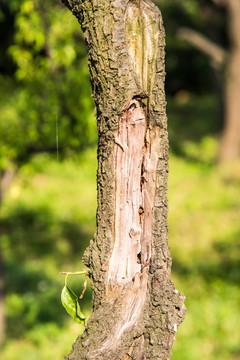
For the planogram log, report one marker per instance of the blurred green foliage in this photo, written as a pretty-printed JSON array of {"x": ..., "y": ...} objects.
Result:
[
  {"x": 204, "y": 239},
  {"x": 48, "y": 214},
  {"x": 44, "y": 80},
  {"x": 46, "y": 222}
]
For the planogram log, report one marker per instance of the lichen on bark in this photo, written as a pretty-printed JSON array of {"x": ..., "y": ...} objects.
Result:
[{"x": 136, "y": 308}]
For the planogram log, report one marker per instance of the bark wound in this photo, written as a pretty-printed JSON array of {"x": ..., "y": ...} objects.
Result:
[
  {"x": 135, "y": 169},
  {"x": 135, "y": 163},
  {"x": 128, "y": 159},
  {"x": 130, "y": 299}
]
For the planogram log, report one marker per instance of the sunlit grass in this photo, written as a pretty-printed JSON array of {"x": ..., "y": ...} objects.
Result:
[
  {"x": 44, "y": 342},
  {"x": 47, "y": 221},
  {"x": 204, "y": 227}
]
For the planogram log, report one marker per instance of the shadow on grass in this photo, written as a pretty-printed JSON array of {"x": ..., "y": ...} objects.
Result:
[
  {"x": 36, "y": 246},
  {"x": 221, "y": 263},
  {"x": 191, "y": 121},
  {"x": 35, "y": 232}
]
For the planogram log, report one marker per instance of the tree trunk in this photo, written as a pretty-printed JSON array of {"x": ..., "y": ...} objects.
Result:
[
  {"x": 230, "y": 143},
  {"x": 136, "y": 309}
]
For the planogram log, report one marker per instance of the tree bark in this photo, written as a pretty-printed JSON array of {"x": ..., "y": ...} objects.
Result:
[{"x": 136, "y": 309}]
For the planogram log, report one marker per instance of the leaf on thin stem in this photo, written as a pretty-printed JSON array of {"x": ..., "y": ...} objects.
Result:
[{"x": 70, "y": 302}]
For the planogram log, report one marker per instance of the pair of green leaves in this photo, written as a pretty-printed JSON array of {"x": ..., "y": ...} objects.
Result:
[{"x": 70, "y": 302}]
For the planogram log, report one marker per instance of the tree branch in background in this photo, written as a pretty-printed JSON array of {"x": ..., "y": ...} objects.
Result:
[
  {"x": 215, "y": 52},
  {"x": 220, "y": 2}
]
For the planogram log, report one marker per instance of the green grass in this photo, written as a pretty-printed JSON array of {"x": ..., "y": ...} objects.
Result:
[
  {"x": 44, "y": 342},
  {"x": 48, "y": 218},
  {"x": 204, "y": 212}
]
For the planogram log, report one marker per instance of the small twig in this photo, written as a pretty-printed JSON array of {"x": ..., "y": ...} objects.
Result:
[
  {"x": 84, "y": 272},
  {"x": 214, "y": 51},
  {"x": 84, "y": 289}
]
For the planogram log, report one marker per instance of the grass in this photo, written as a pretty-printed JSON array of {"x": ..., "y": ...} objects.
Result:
[
  {"x": 204, "y": 238},
  {"x": 47, "y": 221},
  {"x": 48, "y": 218}
]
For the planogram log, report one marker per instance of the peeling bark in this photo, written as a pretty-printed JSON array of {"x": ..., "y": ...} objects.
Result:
[{"x": 136, "y": 308}]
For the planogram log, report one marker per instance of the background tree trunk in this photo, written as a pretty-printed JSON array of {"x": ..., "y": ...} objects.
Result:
[
  {"x": 136, "y": 309},
  {"x": 230, "y": 143},
  {"x": 229, "y": 62}
]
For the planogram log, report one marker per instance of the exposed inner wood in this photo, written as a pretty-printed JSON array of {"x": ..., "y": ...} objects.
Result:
[
  {"x": 135, "y": 172},
  {"x": 130, "y": 300}
]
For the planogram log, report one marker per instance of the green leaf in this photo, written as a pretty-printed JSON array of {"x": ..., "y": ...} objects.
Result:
[{"x": 70, "y": 302}]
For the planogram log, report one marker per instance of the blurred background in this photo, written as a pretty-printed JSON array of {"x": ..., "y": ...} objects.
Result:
[{"x": 48, "y": 165}]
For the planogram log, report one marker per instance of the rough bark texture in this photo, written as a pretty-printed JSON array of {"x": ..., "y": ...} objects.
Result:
[{"x": 136, "y": 309}]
